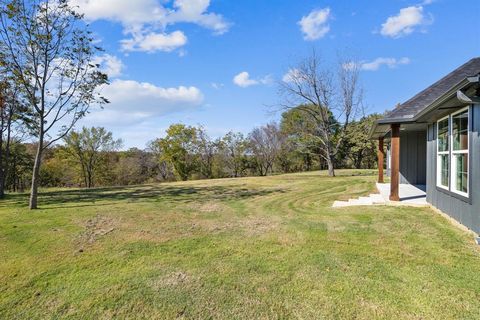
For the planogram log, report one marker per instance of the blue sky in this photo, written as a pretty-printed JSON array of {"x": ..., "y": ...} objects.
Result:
[{"x": 186, "y": 60}]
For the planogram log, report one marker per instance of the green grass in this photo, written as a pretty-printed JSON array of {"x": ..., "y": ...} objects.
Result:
[{"x": 269, "y": 248}]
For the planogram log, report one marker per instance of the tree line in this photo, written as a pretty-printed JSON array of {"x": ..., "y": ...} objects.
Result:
[{"x": 91, "y": 157}]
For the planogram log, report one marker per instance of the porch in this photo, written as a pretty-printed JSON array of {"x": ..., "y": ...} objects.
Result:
[
  {"x": 406, "y": 166},
  {"x": 409, "y": 194}
]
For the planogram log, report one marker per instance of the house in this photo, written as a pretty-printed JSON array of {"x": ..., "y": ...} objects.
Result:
[{"x": 433, "y": 139}]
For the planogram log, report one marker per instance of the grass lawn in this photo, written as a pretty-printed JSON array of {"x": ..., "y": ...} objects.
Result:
[{"x": 247, "y": 248}]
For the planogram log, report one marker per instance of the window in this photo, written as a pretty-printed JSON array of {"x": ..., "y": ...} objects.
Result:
[
  {"x": 452, "y": 152},
  {"x": 460, "y": 152},
  {"x": 443, "y": 153}
]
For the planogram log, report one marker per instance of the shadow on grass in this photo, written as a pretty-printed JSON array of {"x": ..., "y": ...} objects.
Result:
[{"x": 156, "y": 193}]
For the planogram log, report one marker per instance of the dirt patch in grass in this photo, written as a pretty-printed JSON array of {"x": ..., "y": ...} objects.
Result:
[
  {"x": 208, "y": 207},
  {"x": 173, "y": 279},
  {"x": 95, "y": 228},
  {"x": 255, "y": 226}
]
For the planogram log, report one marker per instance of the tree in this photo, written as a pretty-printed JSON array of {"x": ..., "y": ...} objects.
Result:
[
  {"x": 207, "y": 150},
  {"x": 87, "y": 147},
  {"x": 359, "y": 148},
  {"x": 164, "y": 167},
  {"x": 19, "y": 167},
  {"x": 332, "y": 99},
  {"x": 180, "y": 148},
  {"x": 57, "y": 170},
  {"x": 301, "y": 129},
  {"x": 49, "y": 52},
  {"x": 233, "y": 147},
  {"x": 265, "y": 145},
  {"x": 135, "y": 166},
  {"x": 7, "y": 118}
]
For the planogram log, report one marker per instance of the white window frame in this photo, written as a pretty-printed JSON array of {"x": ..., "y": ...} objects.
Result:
[
  {"x": 453, "y": 168},
  {"x": 451, "y": 154},
  {"x": 439, "y": 153}
]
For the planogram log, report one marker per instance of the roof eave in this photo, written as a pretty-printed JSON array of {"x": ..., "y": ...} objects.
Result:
[
  {"x": 432, "y": 106},
  {"x": 437, "y": 102},
  {"x": 447, "y": 95}
]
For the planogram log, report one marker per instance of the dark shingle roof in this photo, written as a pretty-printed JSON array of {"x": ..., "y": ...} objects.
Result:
[{"x": 423, "y": 99}]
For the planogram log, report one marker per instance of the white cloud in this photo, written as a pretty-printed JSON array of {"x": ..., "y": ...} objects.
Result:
[
  {"x": 217, "y": 86},
  {"x": 291, "y": 75},
  {"x": 110, "y": 65},
  {"x": 195, "y": 11},
  {"x": 315, "y": 25},
  {"x": 405, "y": 22},
  {"x": 389, "y": 62},
  {"x": 132, "y": 101},
  {"x": 376, "y": 64},
  {"x": 153, "y": 42},
  {"x": 243, "y": 80},
  {"x": 146, "y": 21}
]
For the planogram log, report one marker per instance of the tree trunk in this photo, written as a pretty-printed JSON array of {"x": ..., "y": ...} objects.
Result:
[
  {"x": 36, "y": 175},
  {"x": 331, "y": 169},
  {"x": 359, "y": 160},
  {"x": 89, "y": 178},
  {"x": 5, "y": 159},
  {"x": 2, "y": 183}
]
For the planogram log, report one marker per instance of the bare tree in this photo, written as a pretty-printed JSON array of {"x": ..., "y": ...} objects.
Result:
[
  {"x": 265, "y": 145},
  {"x": 233, "y": 147},
  {"x": 331, "y": 97},
  {"x": 50, "y": 53}
]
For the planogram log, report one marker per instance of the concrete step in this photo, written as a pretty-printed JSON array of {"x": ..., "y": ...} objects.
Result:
[
  {"x": 377, "y": 199},
  {"x": 362, "y": 201},
  {"x": 365, "y": 200},
  {"x": 338, "y": 204}
]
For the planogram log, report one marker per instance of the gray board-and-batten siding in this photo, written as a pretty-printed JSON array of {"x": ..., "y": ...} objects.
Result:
[
  {"x": 464, "y": 210},
  {"x": 413, "y": 157}
]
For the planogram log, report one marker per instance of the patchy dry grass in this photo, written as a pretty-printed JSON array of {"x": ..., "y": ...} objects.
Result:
[{"x": 233, "y": 249}]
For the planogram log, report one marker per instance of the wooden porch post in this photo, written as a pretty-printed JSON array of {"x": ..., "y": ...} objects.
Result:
[
  {"x": 395, "y": 163},
  {"x": 380, "y": 160}
]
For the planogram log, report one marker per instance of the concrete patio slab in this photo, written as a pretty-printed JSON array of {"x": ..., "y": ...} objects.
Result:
[{"x": 409, "y": 194}]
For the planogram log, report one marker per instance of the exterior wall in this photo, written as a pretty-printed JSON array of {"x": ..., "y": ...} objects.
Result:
[
  {"x": 465, "y": 211},
  {"x": 413, "y": 160},
  {"x": 413, "y": 157}
]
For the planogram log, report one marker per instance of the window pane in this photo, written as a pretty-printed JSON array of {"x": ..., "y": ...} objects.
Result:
[
  {"x": 460, "y": 131},
  {"x": 443, "y": 135},
  {"x": 460, "y": 182},
  {"x": 443, "y": 167}
]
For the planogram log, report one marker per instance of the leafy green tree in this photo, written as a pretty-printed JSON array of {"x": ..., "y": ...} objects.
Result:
[
  {"x": 11, "y": 122},
  {"x": 49, "y": 51},
  {"x": 359, "y": 148},
  {"x": 163, "y": 168},
  {"x": 180, "y": 148},
  {"x": 207, "y": 151},
  {"x": 57, "y": 170},
  {"x": 89, "y": 147},
  {"x": 303, "y": 131},
  {"x": 300, "y": 128},
  {"x": 19, "y": 167}
]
